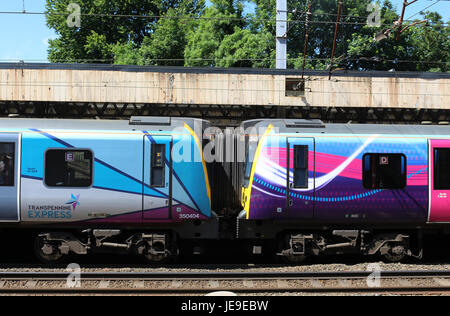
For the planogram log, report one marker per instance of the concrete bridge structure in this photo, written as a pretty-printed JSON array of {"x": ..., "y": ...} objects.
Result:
[{"x": 87, "y": 90}]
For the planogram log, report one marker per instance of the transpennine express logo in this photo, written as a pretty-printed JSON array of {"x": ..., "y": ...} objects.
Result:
[{"x": 74, "y": 201}]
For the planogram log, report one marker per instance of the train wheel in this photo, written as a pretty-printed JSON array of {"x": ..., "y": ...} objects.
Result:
[
  {"x": 158, "y": 254},
  {"x": 153, "y": 258},
  {"x": 47, "y": 251},
  {"x": 396, "y": 252},
  {"x": 285, "y": 254}
]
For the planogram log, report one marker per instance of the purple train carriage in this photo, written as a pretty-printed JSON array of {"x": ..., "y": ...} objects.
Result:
[{"x": 343, "y": 188}]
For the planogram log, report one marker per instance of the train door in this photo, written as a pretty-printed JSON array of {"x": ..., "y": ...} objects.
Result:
[
  {"x": 300, "y": 177},
  {"x": 439, "y": 181},
  {"x": 9, "y": 177},
  {"x": 157, "y": 192}
]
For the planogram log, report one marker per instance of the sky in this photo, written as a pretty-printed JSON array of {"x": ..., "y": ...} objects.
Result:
[{"x": 25, "y": 37}]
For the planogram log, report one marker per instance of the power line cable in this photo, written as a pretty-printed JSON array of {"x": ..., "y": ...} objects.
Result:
[
  {"x": 424, "y": 9},
  {"x": 200, "y": 18},
  {"x": 363, "y": 59}
]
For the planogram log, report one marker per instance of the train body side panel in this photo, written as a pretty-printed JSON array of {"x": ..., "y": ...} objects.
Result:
[
  {"x": 338, "y": 181},
  {"x": 340, "y": 194},
  {"x": 268, "y": 188},
  {"x": 116, "y": 192},
  {"x": 191, "y": 188},
  {"x": 118, "y": 189}
]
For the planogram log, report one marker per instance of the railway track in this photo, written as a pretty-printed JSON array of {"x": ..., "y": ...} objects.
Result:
[{"x": 201, "y": 283}]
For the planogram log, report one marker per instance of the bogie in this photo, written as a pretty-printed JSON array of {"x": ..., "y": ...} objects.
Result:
[
  {"x": 295, "y": 247},
  {"x": 154, "y": 247}
]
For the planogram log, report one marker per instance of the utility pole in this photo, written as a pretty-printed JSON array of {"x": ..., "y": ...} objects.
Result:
[
  {"x": 398, "y": 25},
  {"x": 335, "y": 37},
  {"x": 405, "y": 4},
  {"x": 281, "y": 34},
  {"x": 305, "y": 49}
]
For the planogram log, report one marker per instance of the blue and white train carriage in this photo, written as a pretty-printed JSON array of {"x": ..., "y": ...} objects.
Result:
[{"x": 84, "y": 185}]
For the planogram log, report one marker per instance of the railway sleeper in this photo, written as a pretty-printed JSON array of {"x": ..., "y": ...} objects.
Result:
[
  {"x": 53, "y": 247},
  {"x": 294, "y": 247}
]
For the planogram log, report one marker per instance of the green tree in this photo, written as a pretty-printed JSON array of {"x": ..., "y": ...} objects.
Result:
[
  {"x": 185, "y": 32},
  {"x": 426, "y": 48},
  {"x": 431, "y": 45},
  {"x": 245, "y": 49},
  {"x": 222, "y": 18},
  {"x": 105, "y": 26},
  {"x": 419, "y": 48}
]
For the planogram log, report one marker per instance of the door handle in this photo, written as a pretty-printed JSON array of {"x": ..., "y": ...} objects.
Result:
[{"x": 291, "y": 202}]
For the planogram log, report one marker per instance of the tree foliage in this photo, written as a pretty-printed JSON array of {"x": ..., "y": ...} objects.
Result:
[
  {"x": 108, "y": 24},
  {"x": 218, "y": 21},
  {"x": 238, "y": 33}
]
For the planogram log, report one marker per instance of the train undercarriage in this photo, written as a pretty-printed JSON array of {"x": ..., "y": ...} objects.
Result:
[
  {"x": 287, "y": 244},
  {"x": 294, "y": 247},
  {"x": 153, "y": 246},
  {"x": 293, "y": 242}
]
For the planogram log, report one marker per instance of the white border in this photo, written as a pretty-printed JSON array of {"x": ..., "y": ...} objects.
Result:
[
  {"x": 429, "y": 178},
  {"x": 17, "y": 138},
  {"x": 19, "y": 175}
]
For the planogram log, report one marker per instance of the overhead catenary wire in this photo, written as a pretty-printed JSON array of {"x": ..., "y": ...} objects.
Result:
[
  {"x": 363, "y": 59},
  {"x": 309, "y": 21},
  {"x": 423, "y": 10},
  {"x": 256, "y": 19},
  {"x": 115, "y": 15}
]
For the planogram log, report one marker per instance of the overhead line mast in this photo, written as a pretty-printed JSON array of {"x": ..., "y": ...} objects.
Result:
[
  {"x": 281, "y": 34},
  {"x": 405, "y": 4},
  {"x": 335, "y": 37},
  {"x": 308, "y": 17}
]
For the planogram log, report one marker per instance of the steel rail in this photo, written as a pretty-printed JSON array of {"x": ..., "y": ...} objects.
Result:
[
  {"x": 222, "y": 275},
  {"x": 107, "y": 285}
]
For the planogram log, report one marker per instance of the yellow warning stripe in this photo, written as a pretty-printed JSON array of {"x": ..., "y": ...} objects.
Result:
[
  {"x": 200, "y": 148},
  {"x": 247, "y": 192}
]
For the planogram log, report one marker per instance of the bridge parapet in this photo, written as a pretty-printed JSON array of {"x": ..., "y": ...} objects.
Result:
[{"x": 229, "y": 87}]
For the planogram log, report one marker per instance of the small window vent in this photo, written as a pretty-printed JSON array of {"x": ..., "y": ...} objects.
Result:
[
  {"x": 304, "y": 124},
  {"x": 295, "y": 87},
  {"x": 149, "y": 120}
]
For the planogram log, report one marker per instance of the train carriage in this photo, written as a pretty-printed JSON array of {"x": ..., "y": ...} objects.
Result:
[
  {"x": 137, "y": 186},
  {"x": 336, "y": 188}
]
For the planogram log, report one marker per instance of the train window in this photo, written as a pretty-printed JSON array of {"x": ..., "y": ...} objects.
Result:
[
  {"x": 68, "y": 168},
  {"x": 300, "y": 166},
  {"x": 7, "y": 153},
  {"x": 442, "y": 168},
  {"x": 250, "y": 149},
  {"x": 384, "y": 171},
  {"x": 157, "y": 170}
]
